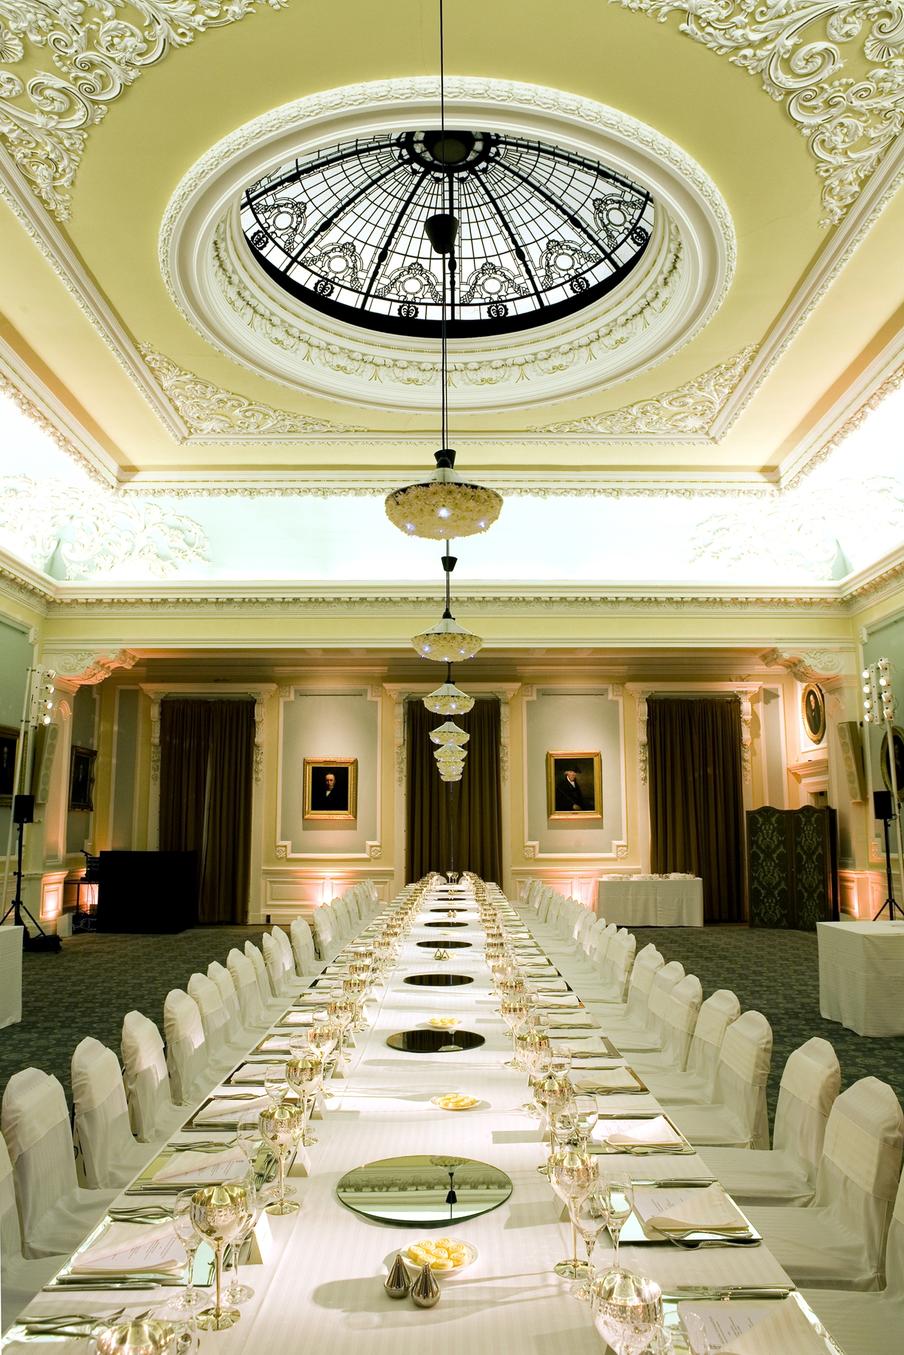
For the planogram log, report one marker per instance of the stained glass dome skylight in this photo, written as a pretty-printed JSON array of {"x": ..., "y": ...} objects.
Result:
[{"x": 543, "y": 231}]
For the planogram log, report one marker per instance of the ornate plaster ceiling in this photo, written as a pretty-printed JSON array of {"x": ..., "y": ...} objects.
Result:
[{"x": 749, "y": 393}]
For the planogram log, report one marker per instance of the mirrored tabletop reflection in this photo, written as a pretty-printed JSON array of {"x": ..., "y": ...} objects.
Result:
[
  {"x": 424, "y": 1190},
  {"x": 444, "y": 945},
  {"x": 438, "y": 980},
  {"x": 434, "y": 1041}
]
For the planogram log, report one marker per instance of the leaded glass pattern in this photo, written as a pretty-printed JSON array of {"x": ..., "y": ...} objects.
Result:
[{"x": 543, "y": 231}]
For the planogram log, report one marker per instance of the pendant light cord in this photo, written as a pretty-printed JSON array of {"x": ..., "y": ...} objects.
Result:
[{"x": 444, "y": 375}]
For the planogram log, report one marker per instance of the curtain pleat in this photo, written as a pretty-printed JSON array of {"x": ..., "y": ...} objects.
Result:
[
  {"x": 696, "y": 798},
  {"x": 206, "y": 753},
  {"x": 470, "y": 808}
]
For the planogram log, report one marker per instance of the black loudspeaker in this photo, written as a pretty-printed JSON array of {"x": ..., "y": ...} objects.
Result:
[
  {"x": 882, "y": 804},
  {"x": 24, "y": 809}
]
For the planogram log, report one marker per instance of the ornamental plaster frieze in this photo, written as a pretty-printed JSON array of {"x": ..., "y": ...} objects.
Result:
[
  {"x": 687, "y": 412},
  {"x": 824, "y": 450},
  {"x": 801, "y": 50},
  {"x": 64, "y": 62},
  {"x": 86, "y": 667},
  {"x": 811, "y": 665}
]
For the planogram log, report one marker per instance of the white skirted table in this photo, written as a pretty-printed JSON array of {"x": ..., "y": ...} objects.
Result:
[
  {"x": 10, "y": 975},
  {"x": 651, "y": 903},
  {"x": 861, "y": 975}
]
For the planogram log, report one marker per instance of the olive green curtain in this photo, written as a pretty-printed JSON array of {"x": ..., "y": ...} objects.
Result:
[
  {"x": 696, "y": 799},
  {"x": 467, "y": 811},
  {"x": 206, "y": 753}
]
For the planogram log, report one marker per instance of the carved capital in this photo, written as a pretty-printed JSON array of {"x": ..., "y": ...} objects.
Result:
[{"x": 87, "y": 667}]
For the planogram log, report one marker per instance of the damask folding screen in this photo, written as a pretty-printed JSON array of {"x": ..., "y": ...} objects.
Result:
[
  {"x": 696, "y": 797},
  {"x": 474, "y": 803}
]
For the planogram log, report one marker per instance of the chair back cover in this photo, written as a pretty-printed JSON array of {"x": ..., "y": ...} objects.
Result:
[
  {"x": 285, "y": 946},
  {"x": 35, "y": 1125},
  {"x": 620, "y": 962},
  {"x": 894, "y": 1250},
  {"x": 858, "y": 1175},
  {"x": 145, "y": 1075},
  {"x": 276, "y": 966},
  {"x": 214, "y": 1017},
  {"x": 715, "y": 1016},
  {"x": 664, "y": 980},
  {"x": 742, "y": 1074},
  {"x": 187, "y": 1056},
  {"x": 225, "y": 984},
  {"x": 102, "y": 1134},
  {"x": 264, "y": 986},
  {"x": 10, "y": 1234},
  {"x": 811, "y": 1080},
  {"x": 682, "y": 1006},
  {"x": 246, "y": 985},
  {"x": 324, "y": 929},
  {"x": 646, "y": 965},
  {"x": 303, "y": 947}
]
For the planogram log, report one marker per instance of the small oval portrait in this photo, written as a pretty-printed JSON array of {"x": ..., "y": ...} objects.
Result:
[{"x": 813, "y": 712}]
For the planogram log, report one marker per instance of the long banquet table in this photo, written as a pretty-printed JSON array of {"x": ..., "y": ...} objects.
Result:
[
  {"x": 651, "y": 902},
  {"x": 321, "y": 1284},
  {"x": 861, "y": 975}
]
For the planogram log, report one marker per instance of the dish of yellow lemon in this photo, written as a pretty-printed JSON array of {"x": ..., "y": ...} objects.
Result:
[
  {"x": 455, "y": 1101},
  {"x": 444, "y": 1255},
  {"x": 443, "y": 1022}
]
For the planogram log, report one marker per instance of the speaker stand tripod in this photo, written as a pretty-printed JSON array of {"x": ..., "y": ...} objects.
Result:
[
  {"x": 890, "y": 902},
  {"x": 42, "y": 941}
]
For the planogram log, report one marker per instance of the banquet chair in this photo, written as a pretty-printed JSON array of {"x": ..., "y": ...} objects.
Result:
[
  {"x": 306, "y": 963},
  {"x": 219, "y": 975},
  {"x": 20, "y": 1279},
  {"x": 221, "y": 1053},
  {"x": 677, "y": 1009},
  {"x": 325, "y": 932},
  {"x": 643, "y": 971},
  {"x": 738, "y": 1117},
  {"x": 255, "y": 1018},
  {"x": 297, "y": 982},
  {"x": 282, "y": 984},
  {"x": 55, "y": 1212},
  {"x": 632, "y": 1035},
  {"x": 152, "y": 1111},
  {"x": 786, "y": 1173},
  {"x": 610, "y": 990},
  {"x": 838, "y": 1241},
  {"x": 273, "y": 1005},
  {"x": 869, "y": 1323},
  {"x": 108, "y": 1152},
  {"x": 187, "y": 1055},
  {"x": 697, "y": 1084}
]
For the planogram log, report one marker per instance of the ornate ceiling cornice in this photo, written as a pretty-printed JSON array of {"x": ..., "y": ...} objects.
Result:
[
  {"x": 64, "y": 62},
  {"x": 800, "y": 49},
  {"x": 216, "y": 415},
  {"x": 686, "y": 412},
  {"x": 844, "y": 430}
]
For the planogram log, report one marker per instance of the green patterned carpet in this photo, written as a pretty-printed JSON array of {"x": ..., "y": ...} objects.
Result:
[{"x": 88, "y": 988}]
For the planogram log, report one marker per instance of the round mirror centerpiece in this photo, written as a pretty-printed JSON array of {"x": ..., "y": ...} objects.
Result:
[
  {"x": 434, "y": 1041},
  {"x": 424, "y": 1191}
]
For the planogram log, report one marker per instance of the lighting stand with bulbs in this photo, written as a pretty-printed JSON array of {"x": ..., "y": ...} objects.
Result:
[
  {"x": 879, "y": 709},
  {"x": 37, "y": 712}
]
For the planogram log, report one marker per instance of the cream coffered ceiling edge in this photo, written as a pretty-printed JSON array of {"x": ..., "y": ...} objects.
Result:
[{"x": 798, "y": 49}]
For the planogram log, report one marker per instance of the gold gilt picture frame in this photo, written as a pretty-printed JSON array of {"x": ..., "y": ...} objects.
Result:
[
  {"x": 813, "y": 712},
  {"x": 330, "y": 788},
  {"x": 574, "y": 785}
]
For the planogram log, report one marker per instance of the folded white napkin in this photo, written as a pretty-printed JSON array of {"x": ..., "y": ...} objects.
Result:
[
  {"x": 250, "y": 1072},
  {"x": 306, "y": 1018},
  {"x": 232, "y": 1108},
  {"x": 582, "y": 1047},
  {"x": 654, "y": 1133},
  {"x": 132, "y": 1246},
  {"x": 757, "y": 1329},
  {"x": 613, "y": 1079},
  {"x": 224, "y": 1166},
  {"x": 572, "y": 1030},
  {"x": 560, "y": 1000},
  {"x": 710, "y": 1210}
]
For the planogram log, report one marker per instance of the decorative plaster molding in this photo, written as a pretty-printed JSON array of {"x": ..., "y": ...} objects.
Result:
[
  {"x": 282, "y": 850},
  {"x": 743, "y": 690},
  {"x": 86, "y": 667},
  {"x": 83, "y": 531},
  {"x": 530, "y": 850},
  {"x": 796, "y": 48},
  {"x": 96, "y": 50},
  {"x": 24, "y": 400},
  {"x": 687, "y": 412},
  {"x": 216, "y": 415},
  {"x": 155, "y": 738},
  {"x": 374, "y": 850},
  {"x": 824, "y": 450},
  {"x": 810, "y": 665}
]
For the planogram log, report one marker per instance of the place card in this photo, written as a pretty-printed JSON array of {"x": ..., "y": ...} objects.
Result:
[{"x": 751, "y": 1328}]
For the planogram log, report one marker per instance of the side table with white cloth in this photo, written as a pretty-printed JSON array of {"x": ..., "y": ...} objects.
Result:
[
  {"x": 651, "y": 902},
  {"x": 11, "y": 975},
  {"x": 861, "y": 975}
]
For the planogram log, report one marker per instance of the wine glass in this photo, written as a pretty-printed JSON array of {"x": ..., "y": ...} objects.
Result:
[
  {"x": 304, "y": 1074},
  {"x": 281, "y": 1127},
  {"x": 237, "y": 1292},
  {"x": 219, "y": 1214},
  {"x": 589, "y": 1215},
  {"x": 565, "y": 1122},
  {"x": 188, "y": 1235},
  {"x": 572, "y": 1172},
  {"x": 627, "y": 1311},
  {"x": 620, "y": 1206},
  {"x": 276, "y": 1084},
  {"x": 587, "y": 1112}
]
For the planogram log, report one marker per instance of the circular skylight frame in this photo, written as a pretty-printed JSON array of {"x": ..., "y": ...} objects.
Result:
[{"x": 545, "y": 231}]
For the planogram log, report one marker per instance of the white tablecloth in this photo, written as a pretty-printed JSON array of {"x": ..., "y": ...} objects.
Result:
[
  {"x": 10, "y": 975},
  {"x": 861, "y": 975},
  {"x": 322, "y": 1285},
  {"x": 651, "y": 903}
]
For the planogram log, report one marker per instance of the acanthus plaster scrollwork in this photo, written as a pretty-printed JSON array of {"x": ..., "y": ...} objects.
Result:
[
  {"x": 687, "y": 411},
  {"x": 64, "y": 62},
  {"x": 213, "y": 414},
  {"x": 87, "y": 667},
  {"x": 798, "y": 49},
  {"x": 845, "y": 429},
  {"x": 495, "y": 368},
  {"x": 80, "y": 532},
  {"x": 809, "y": 665}
]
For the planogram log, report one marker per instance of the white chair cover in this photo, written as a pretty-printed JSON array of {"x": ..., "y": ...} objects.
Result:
[
  {"x": 285, "y": 946},
  {"x": 838, "y": 1241},
  {"x": 187, "y": 1055},
  {"x": 648, "y": 1031},
  {"x": 786, "y": 1173},
  {"x": 102, "y": 1135},
  {"x": 152, "y": 1112},
  {"x": 303, "y": 948},
  {"x": 645, "y": 967},
  {"x": 697, "y": 1086},
  {"x": 55, "y": 1213},
  {"x": 324, "y": 931},
  {"x": 271, "y": 1002},
  {"x": 254, "y": 1016},
  {"x": 276, "y": 966},
  {"x": 738, "y": 1118},
  {"x": 235, "y": 1029},
  {"x": 679, "y": 1008},
  {"x": 20, "y": 1280},
  {"x": 616, "y": 970}
]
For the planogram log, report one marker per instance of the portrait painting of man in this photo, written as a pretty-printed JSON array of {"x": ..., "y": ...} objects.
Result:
[
  {"x": 330, "y": 788},
  {"x": 574, "y": 786}
]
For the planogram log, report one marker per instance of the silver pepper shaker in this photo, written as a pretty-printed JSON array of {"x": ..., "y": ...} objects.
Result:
[
  {"x": 425, "y": 1290},
  {"x": 397, "y": 1282}
]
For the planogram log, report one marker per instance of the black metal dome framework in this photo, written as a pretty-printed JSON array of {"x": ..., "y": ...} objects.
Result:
[{"x": 544, "y": 232}]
